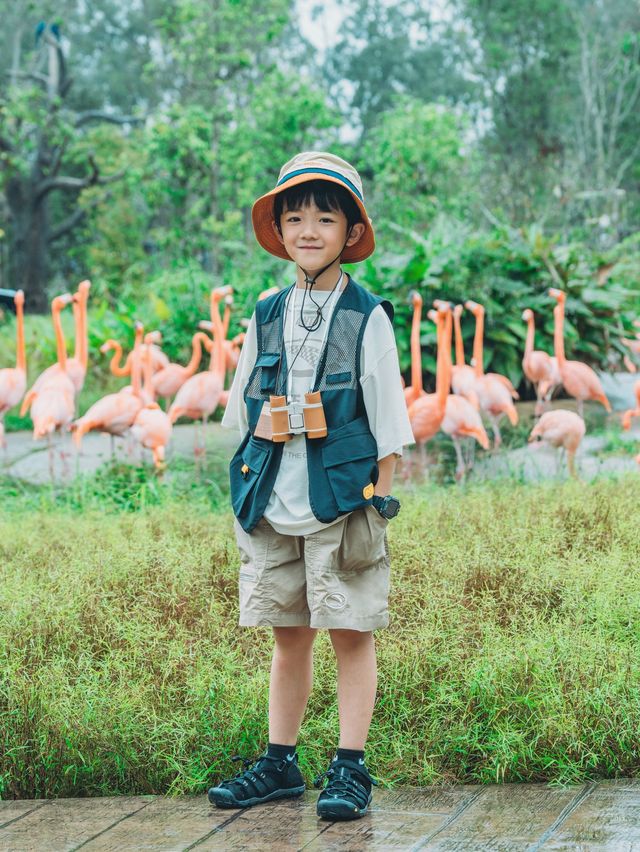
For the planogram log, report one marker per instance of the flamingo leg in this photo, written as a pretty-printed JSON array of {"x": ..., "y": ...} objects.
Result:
[
  {"x": 50, "y": 452},
  {"x": 497, "y": 437},
  {"x": 571, "y": 463},
  {"x": 581, "y": 408},
  {"x": 460, "y": 469},
  {"x": 113, "y": 447},
  {"x": 471, "y": 453}
]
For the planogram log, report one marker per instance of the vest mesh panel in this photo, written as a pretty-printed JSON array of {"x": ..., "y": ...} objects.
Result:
[
  {"x": 342, "y": 350},
  {"x": 270, "y": 343}
]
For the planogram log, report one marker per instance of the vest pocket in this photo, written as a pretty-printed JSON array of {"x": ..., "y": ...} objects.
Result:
[
  {"x": 244, "y": 471},
  {"x": 349, "y": 455},
  {"x": 268, "y": 364}
]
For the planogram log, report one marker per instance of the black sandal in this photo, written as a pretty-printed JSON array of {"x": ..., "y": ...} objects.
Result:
[
  {"x": 267, "y": 779},
  {"x": 348, "y": 791}
]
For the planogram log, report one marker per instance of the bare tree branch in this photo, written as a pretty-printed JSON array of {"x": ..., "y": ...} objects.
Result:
[
  {"x": 67, "y": 224},
  {"x": 27, "y": 75},
  {"x": 68, "y": 184},
  {"x": 98, "y": 115}
]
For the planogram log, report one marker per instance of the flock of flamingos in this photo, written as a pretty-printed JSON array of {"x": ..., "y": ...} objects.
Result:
[{"x": 464, "y": 393}]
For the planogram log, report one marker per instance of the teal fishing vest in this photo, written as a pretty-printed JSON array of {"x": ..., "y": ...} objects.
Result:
[{"x": 342, "y": 466}]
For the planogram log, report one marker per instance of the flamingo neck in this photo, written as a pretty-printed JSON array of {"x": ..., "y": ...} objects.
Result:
[
  {"x": 136, "y": 367},
  {"x": 196, "y": 353},
  {"x": 444, "y": 386},
  {"x": 416, "y": 355},
  {"x": 531, "y": 330},
  {"x": 114, "y": 364},
  {"x": 84, "y": 355},
  {"x": 147, "y": 371},
  {"x": 459, "y": 344},
  {"x": 477, "y": 345},
  {"x": 558, "y": 334},
  {"x": 21, "y": 358},
  {"x": 217, "y": 364},
  {"x": 60, "y": 345},
  {"x": 77, "y": 321},
  {"x": 225, "y": 321}
]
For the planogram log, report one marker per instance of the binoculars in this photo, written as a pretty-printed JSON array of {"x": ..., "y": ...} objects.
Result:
[{"x": 297, "y": 418}]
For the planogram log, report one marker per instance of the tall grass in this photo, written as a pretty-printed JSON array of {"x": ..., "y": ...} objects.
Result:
[{"x": 513, "y": 652}]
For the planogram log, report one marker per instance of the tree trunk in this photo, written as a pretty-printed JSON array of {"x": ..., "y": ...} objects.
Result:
[{"x": 28, "y": 242}]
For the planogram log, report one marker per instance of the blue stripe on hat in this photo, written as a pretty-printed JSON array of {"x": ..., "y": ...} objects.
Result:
[{"x": 316, "y": 171}]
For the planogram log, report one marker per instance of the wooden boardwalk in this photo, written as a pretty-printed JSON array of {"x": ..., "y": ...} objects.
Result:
[{"x": 518, "y": 817}]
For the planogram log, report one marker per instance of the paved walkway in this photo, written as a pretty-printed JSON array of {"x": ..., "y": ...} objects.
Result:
[
  {"x": 28, "y": 460},
  {"x": 495, "y": 818}
]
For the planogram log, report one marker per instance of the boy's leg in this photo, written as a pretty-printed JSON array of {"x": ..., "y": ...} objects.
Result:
[
  {"x": 348, "y": 791},
  {"x": 291, "y": 682},
  {"x": 357, "y": 683}
]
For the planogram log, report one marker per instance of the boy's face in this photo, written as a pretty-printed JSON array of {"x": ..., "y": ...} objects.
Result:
[{"x": 313, "y": 238}]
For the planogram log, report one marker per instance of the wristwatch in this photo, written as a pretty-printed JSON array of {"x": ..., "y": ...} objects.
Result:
[{"x": 387, "y": 506}]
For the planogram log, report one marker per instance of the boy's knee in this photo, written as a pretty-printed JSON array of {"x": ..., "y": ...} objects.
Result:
[
  {"x": 350, "y": 638},
  {"x": 294, "y": 638}
]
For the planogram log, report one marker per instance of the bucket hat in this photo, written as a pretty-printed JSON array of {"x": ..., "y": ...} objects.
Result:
[{"x": 313, "y": 165}]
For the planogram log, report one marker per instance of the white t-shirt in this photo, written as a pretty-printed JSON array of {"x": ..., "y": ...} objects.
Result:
[{"x": 288, "y": 510}]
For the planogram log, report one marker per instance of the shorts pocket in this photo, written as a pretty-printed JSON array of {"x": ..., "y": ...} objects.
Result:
[
  {"x": 364, "y": 542},
  {"x": 244, "y": 471},
  {"x": 349, "y": 456}
]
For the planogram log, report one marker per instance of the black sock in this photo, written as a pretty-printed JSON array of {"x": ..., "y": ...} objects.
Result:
[
  {"x": 349, "y": 754},
  {"x": 280, "y": 751}
]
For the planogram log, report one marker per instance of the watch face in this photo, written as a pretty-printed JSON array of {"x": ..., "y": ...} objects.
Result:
[{"x": 392, "y": 508}]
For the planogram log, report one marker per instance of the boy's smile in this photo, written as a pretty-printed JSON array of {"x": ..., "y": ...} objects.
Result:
[{"x": 314, "y": 238}]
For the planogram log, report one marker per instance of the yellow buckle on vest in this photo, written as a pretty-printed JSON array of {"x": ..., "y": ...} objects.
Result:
[
  {"x": 244, "y": 470},
  {"x": 367, "y": 491}
]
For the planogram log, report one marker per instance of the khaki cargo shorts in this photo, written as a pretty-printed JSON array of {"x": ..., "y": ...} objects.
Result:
[{"x": 335, "y": 578}]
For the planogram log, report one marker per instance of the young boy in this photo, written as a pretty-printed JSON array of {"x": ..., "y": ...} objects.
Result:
[{"x": 311, "y": 511}]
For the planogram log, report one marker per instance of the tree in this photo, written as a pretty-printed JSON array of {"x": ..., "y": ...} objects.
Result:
[
  {"x": 387, "y": 50},
  {"x": 414, "y": 165},
  {"x": 36, "y": 132}
]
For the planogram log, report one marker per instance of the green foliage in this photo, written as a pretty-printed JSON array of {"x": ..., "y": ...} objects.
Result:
[
  {"x": 512, "y": 653},
  {"x": 414, "y": 163},
  {"x": 506, "y": 271}
]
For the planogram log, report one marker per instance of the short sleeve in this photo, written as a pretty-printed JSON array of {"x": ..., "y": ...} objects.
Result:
[
  {"x": 382, "y": 386},
  {"x": 235, "y": 414}
]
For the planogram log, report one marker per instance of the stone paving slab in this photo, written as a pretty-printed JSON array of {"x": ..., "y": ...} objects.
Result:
[{"x": 489, "y": 818}]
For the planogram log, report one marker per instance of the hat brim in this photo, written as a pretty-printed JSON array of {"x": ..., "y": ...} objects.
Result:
[{"x": 262, "y": 217}]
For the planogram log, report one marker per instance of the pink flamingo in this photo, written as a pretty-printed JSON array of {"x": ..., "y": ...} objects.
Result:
[
  {"x": 199, "y": 396},
  {"x": 77, "y": 366},
  {"x": 632, "y": 412},
  {"x": 633, "y": 344},
  {"x": 167, "y": 382},
  {"x": 478, "y": 341},
  {"x": 53, "y": 405},
  {"x": 115, "y": 412},
  {"x": 427, "y": 411},
  {"x": 492, "y": 388},
  {"x": 538, "y": 366},
  {"x": 152, "y": 427},
  {"x": 415, "y": 390},
  {"x": 158, "y": 358},
  {"x": 60, "y": 366},
  {"x": 13, "y": 380},
  {"x": 579, "y": 380},
  {"x": 463, "y": 376},
  {"x": 461, "y": 419},
  {"x": 561, "y": 428}
]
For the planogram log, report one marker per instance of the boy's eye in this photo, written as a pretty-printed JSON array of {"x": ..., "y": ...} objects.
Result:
[{"x": 326, "y": 219}]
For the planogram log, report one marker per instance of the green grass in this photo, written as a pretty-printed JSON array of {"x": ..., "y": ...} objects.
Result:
[{"x": 513, "y": 652}]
